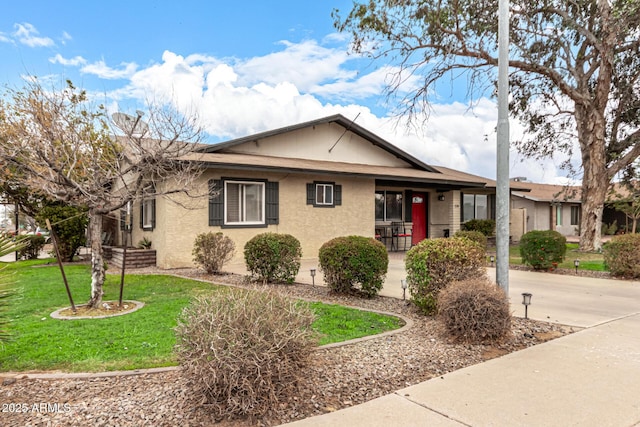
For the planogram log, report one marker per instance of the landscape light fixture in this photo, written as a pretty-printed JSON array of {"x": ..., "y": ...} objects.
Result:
[
  {"x": 492, "y": 258},
  {"x": 313, "y": 277},
  {"x": 576, "y": 264},
  {"x": 526, "y": 300},
  {"x": 403, "y": 283}
]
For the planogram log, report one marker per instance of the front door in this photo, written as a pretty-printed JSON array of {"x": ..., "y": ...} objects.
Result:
[{"x": 419, "y": 217}]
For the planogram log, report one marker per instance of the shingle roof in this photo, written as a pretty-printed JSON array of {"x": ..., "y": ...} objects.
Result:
[{"x": 550, "y": 192}]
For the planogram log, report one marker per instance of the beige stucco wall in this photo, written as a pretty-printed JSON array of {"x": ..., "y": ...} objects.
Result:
[
  {"x": 444, "y": 214},
  {"x": 315, "y": 142},
  {"x": 177, "y": 227}
]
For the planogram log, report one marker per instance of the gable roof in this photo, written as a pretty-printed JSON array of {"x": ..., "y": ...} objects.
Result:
[
  {"x": 550, "y": 192},
  {"x": 349, "y": 125}
]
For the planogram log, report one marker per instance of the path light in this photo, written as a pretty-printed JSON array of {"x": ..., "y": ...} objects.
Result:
[
  {"x": 403, "y": 283},
  {"x": 492, "y": 258},
  {"x": 313, "y": 277},
  {"x": 576, "y": 264},
  {"x": 526, "y": 300}
]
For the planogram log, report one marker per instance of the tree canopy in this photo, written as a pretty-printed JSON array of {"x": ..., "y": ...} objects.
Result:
[
  {"x": 574, "y": 73},
  {"x": 61, "y": 145}
]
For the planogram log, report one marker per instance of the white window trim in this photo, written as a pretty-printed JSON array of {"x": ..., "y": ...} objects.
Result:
[
  {"x": 263, "y": 207},
  {"x": 324, "y": 187},
  {"x": 147, "y": 213}
]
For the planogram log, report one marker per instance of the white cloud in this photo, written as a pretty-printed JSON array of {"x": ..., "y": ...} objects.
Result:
[
  {"x": 74, "y": 62},
  {"x": 65, "y": 37},
  {"x": 27, "y": 34},
  {"x": 235, "y": 98},
  {"x": 4, "y": 38},
  {"x": 101, "y": 70}
]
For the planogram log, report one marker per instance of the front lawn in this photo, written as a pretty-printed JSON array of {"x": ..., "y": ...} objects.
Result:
[
  {"x": 142, "y": 339},
  {"x": 593, "y": 261}
]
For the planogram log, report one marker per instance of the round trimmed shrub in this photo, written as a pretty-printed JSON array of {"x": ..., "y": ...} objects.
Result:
[
  {"x": 476, "y": 236},
  {"x": 212, "y": 251},
  {"x": 484, "y": 226},
  {"x": 244, "y": 352},
  {"x": 351, "y": 261},
  {"x": 273, "y": 257},
  {"x": 622, "y": 255},
  {"x": 541, "y": 249},
  {"x": 474, "y": 311},
  {"x": 434, "y": 263}
]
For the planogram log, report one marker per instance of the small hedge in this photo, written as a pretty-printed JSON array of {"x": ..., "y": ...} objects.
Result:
[
  {"x": 349, "y": 261},
  {"x": 273, "y": 257},
  {"x": 541, "y": 249},
  {"x": 474, "y": 311},
  {"x": 476, "y": 236},
  {"x": 434, "y": 263},
  {"x": 212, "y": 250},
  {"x": 622, "y": 255},
  {"x": 244, "y": 352},
  {"x": 33, "y": 246},
  {"x": 484, "y": 226}
]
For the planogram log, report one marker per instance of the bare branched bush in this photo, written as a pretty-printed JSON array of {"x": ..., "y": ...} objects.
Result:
[
  {"x": 244, "y": 351},
  {"x": 212, "y": 251},
  {"x": 474, "y": 310}
]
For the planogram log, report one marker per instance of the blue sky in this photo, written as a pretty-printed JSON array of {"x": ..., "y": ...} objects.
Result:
[{"x": 244, "y": 66}]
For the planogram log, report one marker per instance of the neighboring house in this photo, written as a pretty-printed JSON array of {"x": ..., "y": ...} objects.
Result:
[
  {"x": 549, "y": 207},
  {"x": 316, "y": 181}
]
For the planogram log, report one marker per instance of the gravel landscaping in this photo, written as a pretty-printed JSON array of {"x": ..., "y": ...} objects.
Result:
[{"x": 340, "y": 376}]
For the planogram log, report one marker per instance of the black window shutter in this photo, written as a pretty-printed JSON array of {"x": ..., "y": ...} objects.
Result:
[
  {"x": 272, "y": 203},
  {"x": 216, "y": 202},
  {"x": 141, "y": 213},
  {"x": 123, "y": 218},
  {"x": 311, "y": 194},
  {"x": 337, "y": 195},
  {"x": 408, "y": 205}
]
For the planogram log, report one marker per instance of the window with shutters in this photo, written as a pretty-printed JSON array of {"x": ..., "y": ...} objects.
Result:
[
  {"x": 324, "y": 194},
  {"x": 244, "y": 203},
  {"x": 238, "y": 202}
]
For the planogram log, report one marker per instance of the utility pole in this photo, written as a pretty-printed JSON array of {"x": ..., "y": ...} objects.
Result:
[{"x": 502, "y": 154}]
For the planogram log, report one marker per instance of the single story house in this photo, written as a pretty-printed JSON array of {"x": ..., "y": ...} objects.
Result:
[
  {"x": 315, "y": 180},
  {"x": 549, "y": 207}
]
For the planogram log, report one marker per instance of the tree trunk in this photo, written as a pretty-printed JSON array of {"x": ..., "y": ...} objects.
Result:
[
  {"x": 595, "y": 181},
  {"x": 97, "y": 260}
]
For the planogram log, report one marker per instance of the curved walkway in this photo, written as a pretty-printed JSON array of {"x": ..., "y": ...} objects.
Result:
[{"x": 589, "y": 378}]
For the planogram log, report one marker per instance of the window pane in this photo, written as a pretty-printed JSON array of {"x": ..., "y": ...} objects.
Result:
[
  {"x": 575, "y": 215},
  {"x": 319, "y": 194},
  {"x": 253, "y": 202},
  {"x": 559, "y": 215},
  {"x": 146, "y": 213},
  {"x": 468, "y": 207},
  {"x": 232, "y": 199},
  {"x": 394, "y": 206},
  {"x": 481, "y": 206}
]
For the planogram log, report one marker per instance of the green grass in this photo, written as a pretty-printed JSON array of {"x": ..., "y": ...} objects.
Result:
[
  {"x": 142, "y": 339},
  {"x": 593, "y": 261}
]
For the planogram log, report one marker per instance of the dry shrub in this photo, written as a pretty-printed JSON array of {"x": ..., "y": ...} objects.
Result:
[
  {"x": 212, "y": 251},
  {"x": 474, "y": 310},
  {"x": 244, "y": 351}
]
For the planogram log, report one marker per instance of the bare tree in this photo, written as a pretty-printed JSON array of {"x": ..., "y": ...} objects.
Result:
[
  {"x": 574, "y": 64},
  {"x": 63, "y": 146}
]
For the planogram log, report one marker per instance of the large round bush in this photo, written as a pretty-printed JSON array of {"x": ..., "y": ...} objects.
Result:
[
  {"x": 541, "y": 249},
  {"x": 622, "y": 255},
  {"x": 434, "y": 263},
  {"x": 273, "y": 257},
  {"x": 476, "y": 236},
  {"x": 351, "y": 261}
]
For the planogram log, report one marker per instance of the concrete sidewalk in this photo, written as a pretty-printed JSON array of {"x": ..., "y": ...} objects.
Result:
[{"x": 589, "y": 378}]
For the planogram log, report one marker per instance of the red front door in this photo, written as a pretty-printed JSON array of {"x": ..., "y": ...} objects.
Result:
[{"x": 419, "y": 217}]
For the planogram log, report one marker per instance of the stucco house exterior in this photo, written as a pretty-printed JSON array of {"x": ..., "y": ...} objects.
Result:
[
  {"x": 315, "y": 180},
  {"x": 549, "y": 207}
]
